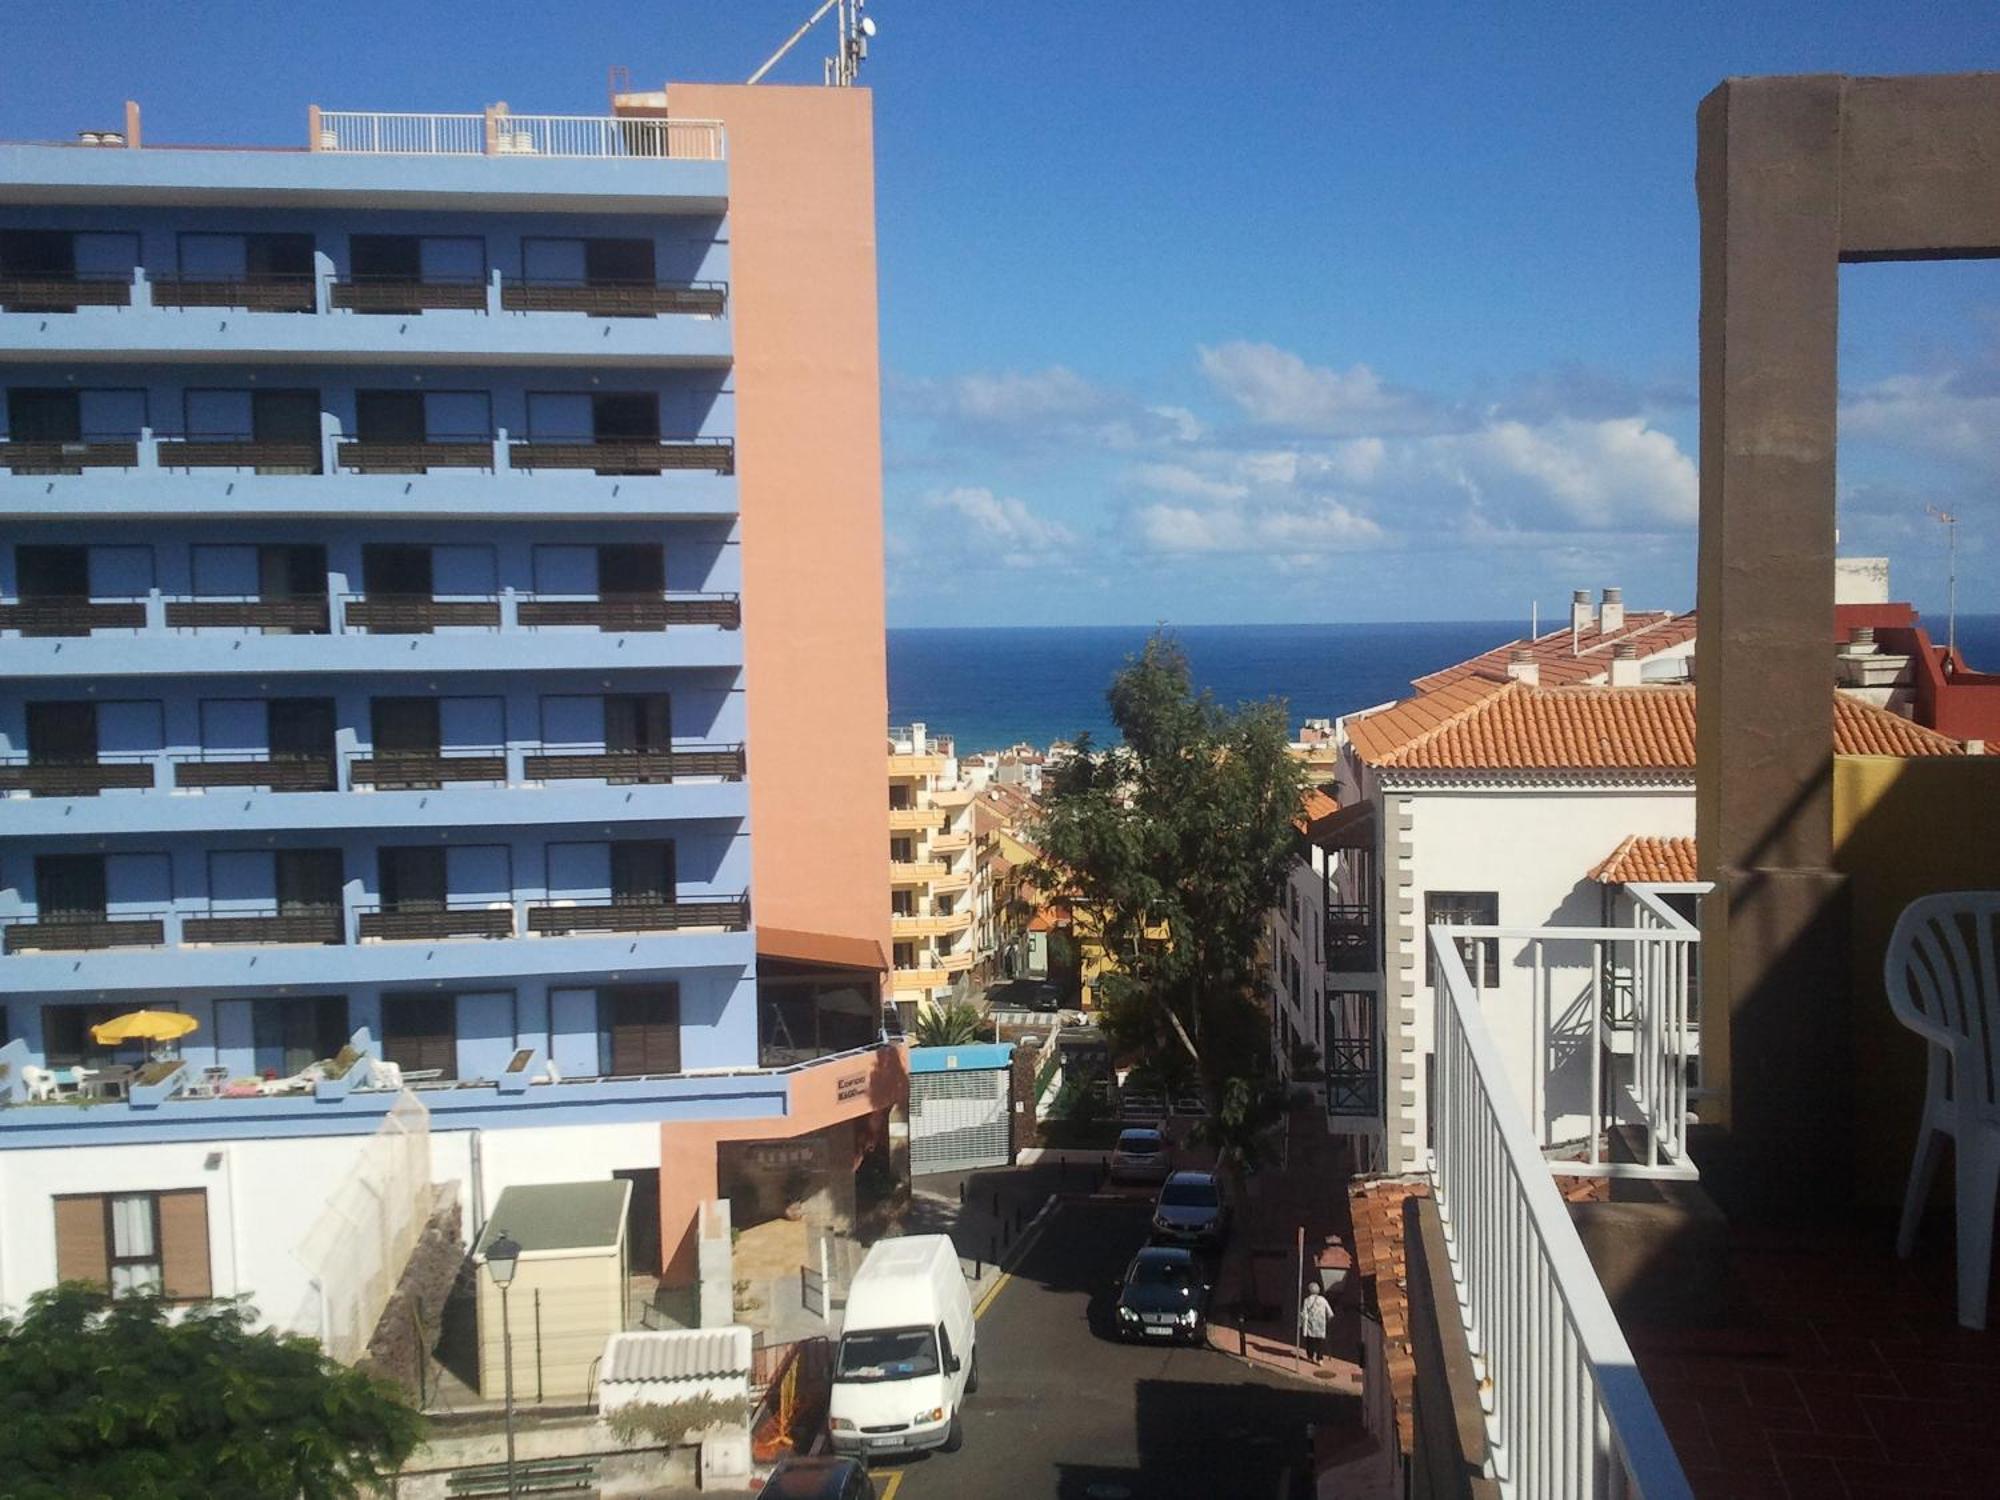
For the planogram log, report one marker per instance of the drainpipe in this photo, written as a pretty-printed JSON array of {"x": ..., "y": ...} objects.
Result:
[{"x": 478, "y": 1186}]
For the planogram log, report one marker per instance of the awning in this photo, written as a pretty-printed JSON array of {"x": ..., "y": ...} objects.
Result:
[
  {"x": 823, "y": 948},
  {"x": 1350, "y": 828}
]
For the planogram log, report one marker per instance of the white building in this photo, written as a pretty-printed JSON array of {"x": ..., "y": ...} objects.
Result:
[{"x": 1499, "y": 795}]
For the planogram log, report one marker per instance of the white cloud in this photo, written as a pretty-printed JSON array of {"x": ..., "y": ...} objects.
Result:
[
  {"x": 1274, "y": 387},
  {"x": 1321, "y": 527},
  {"x": 1596, "y": 475},
  {"x": 1954, "y": 418},
  {"x": 1181, "y": 482},
  {"x": 1003, "y": 521}
]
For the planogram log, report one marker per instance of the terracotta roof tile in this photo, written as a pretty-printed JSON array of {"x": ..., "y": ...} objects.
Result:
[
  {"x": 1652, "y": 632},
  {"x": 1316, "y": 805},
  {"x": 1644, "y": 858},
  {"x": 1479, "y": 724},
  {"x": 1375, "y": 1205}
]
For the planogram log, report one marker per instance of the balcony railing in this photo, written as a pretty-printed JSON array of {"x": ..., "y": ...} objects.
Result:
[
  {"x": 247, "y": 769},
  {"x": 562, "y": 918},
  {"x": 631, "y": 612},
  {"x": 1566, "y": 1410},
  {"x": 402, "y": 924},
  {"x": 633, "y": 767},
  {"x": 61, "y": 456},
  {"x": 80, "y": 934},
  {"x": 499, "y": 133},
  {"x": 402, "y": 772},
  {"x": 60, "y": 617},
  {"x": 401, "y": 294},
  {"x": 32, "y": 294},
  {"x": 74, "y": 778},
  {"x": 252, "y": 293},
  {"x": 322, "y": 925},
  {"x": 625, "y": 455},
  {"x": 301, "y": 616},
  {"x": 616, "y": 299},
  {"x": 415, "y": 456},
  {"x": 416, "y": 614},
  {"x": 265, "y": 455},
  {"x": 1350, "y": 939}
]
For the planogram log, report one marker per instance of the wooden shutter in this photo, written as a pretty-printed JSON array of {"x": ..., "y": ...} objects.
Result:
[
  {"x": 83, "y": 1249},
  {"x": 184, "y": 1244},
  {"x": 645, "y": 1031}
]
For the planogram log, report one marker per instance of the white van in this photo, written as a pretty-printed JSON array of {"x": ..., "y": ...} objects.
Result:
[{"x": 907, "y": 1358}]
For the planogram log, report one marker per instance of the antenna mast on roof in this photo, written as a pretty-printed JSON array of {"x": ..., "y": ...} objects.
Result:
[
  {"x": 1950, "y": 522},
  {"x": 854, "y": 31}
]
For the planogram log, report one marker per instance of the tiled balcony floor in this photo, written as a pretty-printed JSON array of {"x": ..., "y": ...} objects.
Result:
[{"x": 1850, "y": 1377}]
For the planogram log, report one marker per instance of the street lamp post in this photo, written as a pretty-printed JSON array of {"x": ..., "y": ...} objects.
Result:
[{"x": 502, "y": 1255}]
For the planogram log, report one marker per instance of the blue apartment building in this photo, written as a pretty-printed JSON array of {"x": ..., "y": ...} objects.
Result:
[{"x": 372, "y": 691}]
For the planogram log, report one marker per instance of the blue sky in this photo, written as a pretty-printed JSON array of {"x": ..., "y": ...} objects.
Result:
[{"x": 1209, "y": 313}]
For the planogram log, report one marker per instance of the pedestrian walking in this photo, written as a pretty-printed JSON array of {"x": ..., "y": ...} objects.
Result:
[{"x": 1313, "y": 1313}]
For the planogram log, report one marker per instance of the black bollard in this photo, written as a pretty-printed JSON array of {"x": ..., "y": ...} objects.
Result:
[
  {"x": 961, "y": 1195},
  {"x": 993, "y": 1246}
]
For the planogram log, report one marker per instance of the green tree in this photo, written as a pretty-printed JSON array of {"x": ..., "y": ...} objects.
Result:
[
  {"x": 953, "y": 1024},
  {"x": 121, "y": 1399},
  {"x": 1174, "y": 844},
  {"x": 1240, "y": 1127}
]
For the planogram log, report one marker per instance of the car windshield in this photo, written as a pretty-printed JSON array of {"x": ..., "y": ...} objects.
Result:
[
  {"x": 1140, "y": 1142},
  {"x": 1178, "y": 1274},
  {"x": 1188, "y": 1195},
  {"x": 887, "y": 1354}
]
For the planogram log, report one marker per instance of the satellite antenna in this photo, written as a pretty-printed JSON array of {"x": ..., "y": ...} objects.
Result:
[
  {"x": 1950, "y": 523},
  {"x": 854, "y": 30}
]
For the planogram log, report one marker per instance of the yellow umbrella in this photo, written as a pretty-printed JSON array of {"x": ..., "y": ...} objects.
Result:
[{"x": 144, "y": 1026}]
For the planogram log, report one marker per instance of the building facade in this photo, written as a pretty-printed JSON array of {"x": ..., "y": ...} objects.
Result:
[
  {"x": 933, "y": 864},
  {"x": 409, "y": 539}
]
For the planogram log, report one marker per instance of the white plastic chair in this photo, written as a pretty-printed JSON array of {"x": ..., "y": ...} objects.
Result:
[{"x": 1943, "y": 985}]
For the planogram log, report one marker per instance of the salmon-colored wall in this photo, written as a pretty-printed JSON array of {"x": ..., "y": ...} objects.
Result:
[
  {"x": 809, "y": 461},
  {"x": 688, "y": 1176}
]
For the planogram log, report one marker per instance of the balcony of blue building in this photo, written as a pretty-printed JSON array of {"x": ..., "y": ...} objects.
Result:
[
  {"x": 321, "y": 440},
  {"x": 142, "y": 283},
  {"x": 207, "y": 595},
  {"x": 160, "y": 912},
  {"x": 279, "y": 754}
]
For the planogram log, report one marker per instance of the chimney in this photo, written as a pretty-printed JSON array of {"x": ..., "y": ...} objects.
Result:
[
  {"x": 1522, "y": 666},
  {"x": 1862, "y": 641},
  {"x": 1581, "y": 617},
  {"x": 1625, "y": 666},
  {"x": 917, "y": 739},
  {"x": 1613, "y": 619}
]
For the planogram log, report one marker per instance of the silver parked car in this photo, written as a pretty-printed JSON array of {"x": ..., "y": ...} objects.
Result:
[
  {"x": 1192, "y": 1209},
  {"x": 1141, "y": 1155}
]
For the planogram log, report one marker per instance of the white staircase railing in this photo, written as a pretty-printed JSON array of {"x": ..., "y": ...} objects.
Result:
[{"x": 1567, "y": 1413}]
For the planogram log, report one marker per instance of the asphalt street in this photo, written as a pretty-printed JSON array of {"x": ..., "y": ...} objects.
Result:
[{"x": 1064, "y": 1409}]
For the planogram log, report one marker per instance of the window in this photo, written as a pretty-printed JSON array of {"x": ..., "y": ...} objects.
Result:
[
  {"x": 642, "y": 874},
  {"x": 1465, "y": 909},
  {"x": 66, "y": 1038},
  {"x": 69, "y": 887},
  {"x": 645, "y": 1026},
  {"x": 412, "y": 877},
  {"x": 292, "y": 1034},
  {"x": 135, "y": 1243},
  {"x": 62, "y": 734},
  {"x": 301, "y": 729},
  {"x": 420, "y": 1033},
  {"x": 638, "y": 724},
  {"x": 396, "y": 568},
  {"x": 309, "y": 882},
  {"x": 408, "y": 731}
]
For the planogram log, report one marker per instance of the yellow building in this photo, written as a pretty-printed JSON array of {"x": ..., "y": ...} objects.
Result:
[{"x": 931, "y": 868}]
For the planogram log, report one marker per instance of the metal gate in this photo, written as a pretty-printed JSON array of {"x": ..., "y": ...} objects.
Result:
[{"x": 958, "y": 1120}]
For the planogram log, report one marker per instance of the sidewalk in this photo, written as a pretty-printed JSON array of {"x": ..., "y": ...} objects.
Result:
[{"x": 1254, "y": 1315}]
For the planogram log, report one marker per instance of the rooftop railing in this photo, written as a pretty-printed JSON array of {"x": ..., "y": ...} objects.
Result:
[
  {"x": 1566, "y": 1410},
  {"x": 498, "y": 132}
]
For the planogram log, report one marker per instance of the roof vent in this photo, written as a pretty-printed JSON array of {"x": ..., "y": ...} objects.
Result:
[
  {"x": 1613, "y": 618},
  {"x": 1862, "y": 641},
  {"x": 1625, "y": 665},
  {"x": 1522, "y": 666},
  {"x": 1581, "y": 616}
]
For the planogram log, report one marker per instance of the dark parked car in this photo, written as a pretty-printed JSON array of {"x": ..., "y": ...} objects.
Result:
[
  {"x": 1164, "y": 1296},
  {"x": 799, "y": 1478},
  {"x": 1042, "y": 996},
  {"x": 1192, "y": 1209}
]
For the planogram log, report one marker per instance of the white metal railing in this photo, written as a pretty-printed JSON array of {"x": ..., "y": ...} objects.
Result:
[
  {"x": 501, "y": 133},
  {"x": 1572, "y": 1000},
  {"x": 1567, "y": 1413}
]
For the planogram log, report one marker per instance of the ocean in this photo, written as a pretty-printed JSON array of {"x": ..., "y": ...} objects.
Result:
[{"x": 989, "y": 688}]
